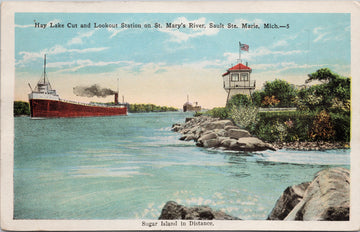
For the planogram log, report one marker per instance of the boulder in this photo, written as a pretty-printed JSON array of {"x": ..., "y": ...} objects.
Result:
[
  {"x": 210, "y": 143},
  {"x": 230, "y": 127},
  {"x": 228, "y": 143},
  {"x": 189, "y": 137},
  {"x": 220, "y": 132},
  {"x": 218, "y": 124},
  {"x": 176, "y": 127},
  {"x": 237, "y": 133},
  {"x": 208, "y": 140},
  {"x": 206, "y": 136},
  {"x": 326, "y": 198},
  {"x": 193, "y": 129},
  {"x": 198, "y": 133},
  {"x": 252, "y": 144},
  {"x": 287, "y": 201},
  {"x": 188, "y": 119},
  {"x": 174, "y": 211}
]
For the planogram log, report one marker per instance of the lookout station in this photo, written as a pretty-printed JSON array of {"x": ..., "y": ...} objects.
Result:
[{"x": 237, "y": 79}]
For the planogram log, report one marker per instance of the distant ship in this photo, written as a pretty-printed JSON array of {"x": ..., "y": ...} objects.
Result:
[
  {"x": 46, "y": 103},
  {"x": 190, "y": 107}
]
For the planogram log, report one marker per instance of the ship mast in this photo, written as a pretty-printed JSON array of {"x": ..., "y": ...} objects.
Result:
[{"x": 44, "y": 68}]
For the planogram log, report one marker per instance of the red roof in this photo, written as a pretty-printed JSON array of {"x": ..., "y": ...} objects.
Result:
[{"x": 239, "y": 66}]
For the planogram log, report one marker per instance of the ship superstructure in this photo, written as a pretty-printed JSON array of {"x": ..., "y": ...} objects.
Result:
[{"x": 46, "y": 103}]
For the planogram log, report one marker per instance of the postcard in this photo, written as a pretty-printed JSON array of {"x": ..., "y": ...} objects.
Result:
[{"x": 180, "y": 115}]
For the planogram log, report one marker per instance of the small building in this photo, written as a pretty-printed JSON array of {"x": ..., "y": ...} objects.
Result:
[{"x": 237, "y": 80}]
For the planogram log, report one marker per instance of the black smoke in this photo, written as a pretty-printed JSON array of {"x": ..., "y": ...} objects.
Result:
[{"x": 94, "y": 90}]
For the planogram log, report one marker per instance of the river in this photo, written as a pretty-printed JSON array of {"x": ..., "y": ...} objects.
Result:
[{"x": 128, "y": 167}]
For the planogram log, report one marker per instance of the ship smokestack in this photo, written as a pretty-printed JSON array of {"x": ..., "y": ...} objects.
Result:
[{"x": 116, "y": 98}]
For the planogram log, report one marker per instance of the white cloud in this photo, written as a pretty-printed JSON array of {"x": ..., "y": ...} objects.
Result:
[
  {"x": 55, "y": 21},
  {"x": 60, "y": 64},
  {"x": 30, "y": 56},
  {"x": 89, "y": 63},
  {"x": 79, "y": 38},
  {"x": 183, "y": 34},
  {"x": 280, "y": 43},
  {"x": 320, "y": 34},
  {"x": 260, "y": 52},
  {"x": 283, "y": 66},
  {"x": 115, "y": 31},
  {"x": 24, "y": 26}
]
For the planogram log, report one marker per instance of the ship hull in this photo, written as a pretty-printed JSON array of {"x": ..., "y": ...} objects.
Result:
[{"x": 44, "y": 108}]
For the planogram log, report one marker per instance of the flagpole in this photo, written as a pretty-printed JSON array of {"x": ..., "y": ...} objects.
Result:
[{"x": 239, "y": 52}]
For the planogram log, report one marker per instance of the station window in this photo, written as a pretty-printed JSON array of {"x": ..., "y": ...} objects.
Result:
[
  {"x": 235, "y": 77},
  {"x": 244, "y": 77}
]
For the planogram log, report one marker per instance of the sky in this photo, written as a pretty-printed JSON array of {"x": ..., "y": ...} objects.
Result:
[{"x": 164, "y": 65}]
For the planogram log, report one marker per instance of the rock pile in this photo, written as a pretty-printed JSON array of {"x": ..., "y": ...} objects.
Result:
[
  {"x": 287, "y": 201},
  {"x": 174, "y": 211},
  {"x": 326, "y": 198},
  {"x": 212, "y": 132}
]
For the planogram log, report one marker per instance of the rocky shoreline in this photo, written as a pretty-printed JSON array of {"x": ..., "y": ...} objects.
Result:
[
  {"x": 311, "y": 146},
  {"x": 326, "y": 198},
  {"x": 213, "y": 132}
]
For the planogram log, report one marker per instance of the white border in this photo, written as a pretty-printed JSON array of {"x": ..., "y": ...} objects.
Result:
[{"x": 7, "y": 95}]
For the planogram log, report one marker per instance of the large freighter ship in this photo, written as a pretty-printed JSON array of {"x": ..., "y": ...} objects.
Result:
[{"x": 46, "y": 103}]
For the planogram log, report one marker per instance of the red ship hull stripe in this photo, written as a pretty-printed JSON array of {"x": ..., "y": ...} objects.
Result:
[{"x": 52, "y": 109}]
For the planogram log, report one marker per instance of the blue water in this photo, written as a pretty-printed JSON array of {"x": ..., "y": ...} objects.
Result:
[{"x": 128, "y": 167}]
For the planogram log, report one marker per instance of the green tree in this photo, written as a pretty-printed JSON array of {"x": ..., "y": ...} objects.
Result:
[
  {"x": 219, "y": 112},
  {"x": 334, "y": 91},
  {"x": 282, "y": 91},
  {"x": 21, "y": 108},
  {"x": 324, "y": 75},
  {"x": 257, "y": 97},
  {"x": 239, "y": 100}
]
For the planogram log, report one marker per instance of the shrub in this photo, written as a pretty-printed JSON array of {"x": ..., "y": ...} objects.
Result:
[
  {"x": 218, "y": 112},
  {"x": 340, "y": 106},
  {"x": 322, "y": 128},
  {"x": 283, "y": 126},
  {"x": 244, "y": 116},
  {"x": 270, "y": 101},
  {"x": 341, "y": 125},
  {"x": 239, "y": 100},
  {"x": 197, "y": 114}
]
